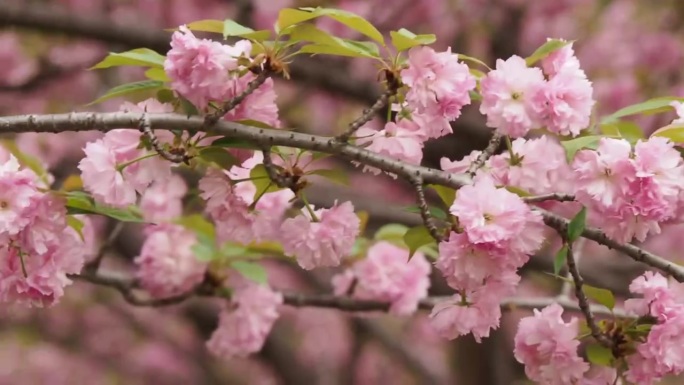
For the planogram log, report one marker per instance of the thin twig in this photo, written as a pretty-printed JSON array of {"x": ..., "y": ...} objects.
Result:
[
  {"x": 583, "y": 301},
  {"x": 145, "y": 128},
  {"x": 566, "y": 289},
  {"x": 228, "y": 106},
  {"x": 492, "y": 146},
  {"x": 367, "y": 115},
  {"x": 428, "y": 220},
  {"x": 273, "y": 173},
  {"x": 560, "y": 197},
  {"x": 94, "y": 264}
]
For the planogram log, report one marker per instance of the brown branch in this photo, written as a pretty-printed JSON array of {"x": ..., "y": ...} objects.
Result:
[
  {"x": 428, "y": 220},
  {"x": 273, "y": 173},
  {"x": 93, "y": 265},
  {"x": 582, "y": 298},
  {"x": 368, "y": 114},
  {"x": 270, "y": 137},
  {"x": 145, "y": 127},
  {"x": 492, "y": 146},
  {"x": 228, "y": 106},
  {"x": 559, "y": 197}
]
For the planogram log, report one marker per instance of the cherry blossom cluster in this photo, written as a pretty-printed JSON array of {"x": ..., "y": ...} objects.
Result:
[{"x": 495, "y": 234}]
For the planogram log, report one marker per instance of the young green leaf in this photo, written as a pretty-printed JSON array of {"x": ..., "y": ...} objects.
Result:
[
  {"x": 203, "y": 251},
  {"x": 471, "y": 59},
  {"x": 138, "y": 57},
  {"x": 603, "y": 296},
  {"x": 517, "y": 191},
  {"x": 572, "y": 146},
  {"x": 26, "y": 160},
  {"x": 649, "y": 107},
  {"x": 434, "y": 211},
  {"x": 289, "y": 16},
  {"x": 261, "y": 180},
  {"x": 214, "y": 26},
  {"x": 447, "y": 194},
  {"x": 229, "y": 142},
  {"x": 390, "y": 232},
  {"x": 129, "y": 88},
  {"x": 577, "y": 225},
  {"x": 559, "y": 260},
  {"x": 404, "y": 39},
  {"x": 599, "y": 355},
  {"x": 218, "y": 155},
  {"x": 545, "y": 50},
  {"x": 232, "y": 28},
  {"x": 82, "y": 204},
  {"x": 156, "y": 73},
  {"x": 627, "y": 130},
  {"x": 199, "y": 225},
  {"x": 76, "y": 224},
  {"x": 674, "y": 132},
  {"x": 252, "y": 271},
  {"x": 336, "y": 50},
  {"x": 416, "y": 237},
  {"x": 351, "y": 20}
]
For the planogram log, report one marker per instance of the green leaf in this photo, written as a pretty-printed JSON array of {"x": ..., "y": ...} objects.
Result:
[
  {"x": 79, "y": 203},
  {"x": 203, "y": 251},
  {"x": 572, "y": 146},
  {"x": 599, "y": 355},
  {"x": 188, "y": 107},
  {"x": 404, "y": 39},
  {"x": 351, "y": 20},
  {"x": 289, "y": 16},
  {"x": 138, "y": 57},
  {"x": 471, "y": 59},
  {"x": 165, "y": 95},
  {"x": 229, "y": 142},
  {"x": 157, "y": 74},
  {"x": 214, "y": 26},
  {"x": 674, "y": 132},
  {"x": 649, "y": 107},
  {"x": 417, "y": 237},
  {"x": 335, "y": 175},
  {"x": 577, "y": 225},
  {"x": 517, "y": 191},
  {"x": 129, "y": 88},
  {"x": 390, "y": 232},
  {"x": 252, "y": 271},
  {"x": 261, "y": 180},
  {"x": 434, "y": 211},
  {"x": 628, "y": 130},
  {"x": 76, "y": 224},
  {"x": 199, "y": 225},
  {"x": 230, "y": 250},
  {"x": 545, "y": 50},
  {"x": 448, "y": 195},
  {"x": 232, "y": 28},
  {"x": 219, "y": 156},
  {"x": 603, "y": 296},
  {"x": 26, "y": 160},
  {"x": 559, "y": 260}
]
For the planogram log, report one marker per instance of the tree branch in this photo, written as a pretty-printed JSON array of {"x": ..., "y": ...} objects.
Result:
[
  {"x": 492, "y": 146},
  {"x": 428, "y": 220},
  {"x": 269, "y": 137},
  {"x": 368, "y": 114}
]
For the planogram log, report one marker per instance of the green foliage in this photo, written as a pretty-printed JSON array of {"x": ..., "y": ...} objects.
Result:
[
  {"x": 404, "y": 39},
  {"x": 129, "y": 88},
  {"x": 80, "y": 203},
  {"x": 627, "y": 130},
  {"x": 251, "y": 270},
  {"x": 674, "y": 132},
  {"x": 390, "y": 232},
  {"x": 334, "y": 175},
  {"x": 229, "y": 28},
  {"x": 434, "y": 211},
  {"x": 599, "y": 355},
  {"x": 545, "y": 50},
  {"x": 559, "y": 260},
  {"x": 603, "y": 296},
  {"x": 158, "y": 74},
  {"x": 289, "y": 17},
  {"x": 324, "y": 43},
  {"x": 76, "y": 224},
  {"x": 229, "y": 142},
  {"x": 471, "y": 59},
  {"x": 447, "y": 194},
  {"x": 417, "y": 237},
  {"x": 573, "y": 145},
  {"x": 219, "y": 156},
  {"x": 518, "y": 191},
  {"x": 577, "y": 225},
  {"x": 140, "y": 57},
  {"x": 261, "y": 180},
  {"x": 26, "y": 160},
  {"x": 649, "y": 107}
]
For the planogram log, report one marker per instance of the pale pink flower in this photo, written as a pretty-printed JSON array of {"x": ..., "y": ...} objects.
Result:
[
  {"x": 661, "y": 354},
  {"x": 547, "y": 346},
  {"x": 459, "y": 166},
  {"x": 400, "y": 141},
  {"x": 439, "y": 83},
  {"x": 102, "y": 178},
  {"x": 679, "y": 109},
  {"x": 507, "y": 94},
  {"x": 167, "y": 265},
  {"x": 562, "y": 59},
  {"x": 658, "y": 296},
  {"x": 246, "y": 322},
  {"x": 260, "y": 105},
  {"x": 429, "y": 126},
  {"x": 17, "y": 67},
  {"x": 163, "y": 200},
  {"x": 603, "y": 175},
  {"x": 601, "y": 375},
  {"x": 495, "y": 216},
  {"x": 324, "y": 242},
  {"x": 200, "y": 69},
  {"x": 18, "y": 191},
  {"x": 387, "y": 274}
]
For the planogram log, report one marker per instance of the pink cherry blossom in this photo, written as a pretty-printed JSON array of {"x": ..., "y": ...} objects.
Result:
[
  {"x": 459, "y": 166},
  {"x": 547, "y": 346},
  {"x": 162, "y": 201},
  {"x": 17, "y": 195},
  {"x": 101, "y": 177},
  {"x": 387, "y": 274},
  {"x": 603, "y": 175},
  {"x": 507, "y": 97},
  {"x": 439, "y": 83},
  {"x": 562, "y": 59},
  {"x": 260, "y": 105},
  {"x": 167, "y": 264},
  {"x": 200, "y": 69},
  {"x": 401, "y": 141},
  {"x": 323, "y": 242},
  {"x": 661, "y": 354},
  {"x": 246, "y": 322},
  {"x": 17, "y": 67}
]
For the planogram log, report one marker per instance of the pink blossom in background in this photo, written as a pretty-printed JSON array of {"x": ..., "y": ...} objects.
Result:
[
  {"x": 547, "y": 346},
  {"x": 323, "y": 242},
  {"x": 246, "y": 322},
  {"x": 387, "y": 274},
  {"x": 17, "y": 67},
  {"x": 459, "y": 166},
  {"x": 167, "y": 264},
  {"x": 163, "y": 200},
  {"x": 507, "y": 97}
]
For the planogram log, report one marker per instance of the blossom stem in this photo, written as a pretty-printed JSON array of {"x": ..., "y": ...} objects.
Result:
[
  {"x": 314, "y": 218},
  {"x": 145, "y": 128},
  {"x": 228, "y": 106},
  {"x": 492, "y": 146},
  {"x": 428, "y": 220},
  {"x": 122, "y": 166},
  {"x": 367, "y": 115}
]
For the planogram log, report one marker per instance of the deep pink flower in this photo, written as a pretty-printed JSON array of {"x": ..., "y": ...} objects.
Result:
[
  {"x": 386, "y": 274},
  {"x": 507, "y": 94},
  {"x": 324, "y": 242}
]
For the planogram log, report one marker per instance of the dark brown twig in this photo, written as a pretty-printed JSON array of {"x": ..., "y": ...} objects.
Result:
[
  {"x": 146, "y": 128},
  {"x": 228, "y": 106},
  {"x": 273, "y": 173},
  {"x": 428, "y": 220},
  {"x": 484, "y": 155},
  {"x": 559, "y": 197},
  {"x": 367, "y": 115}
]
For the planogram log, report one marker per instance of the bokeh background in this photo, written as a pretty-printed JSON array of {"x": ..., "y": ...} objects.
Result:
[{"x": 632, "y": 50}]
